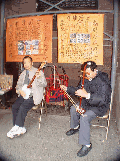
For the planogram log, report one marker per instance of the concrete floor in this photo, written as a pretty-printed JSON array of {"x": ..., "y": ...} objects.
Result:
[{"x": 50, "y": 143}]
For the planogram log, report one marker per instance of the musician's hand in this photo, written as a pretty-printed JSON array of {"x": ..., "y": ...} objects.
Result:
[
  {"x": 22, "y": 93},
  {"x": 82, "y": 93},
  {"x": 63, "y": 87},
  {"x": 38, "y": 74}
]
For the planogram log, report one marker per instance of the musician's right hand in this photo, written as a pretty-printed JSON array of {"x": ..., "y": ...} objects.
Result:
[
  {"x": 22, "y": 93},
  {"x": 63, "y": 87}
]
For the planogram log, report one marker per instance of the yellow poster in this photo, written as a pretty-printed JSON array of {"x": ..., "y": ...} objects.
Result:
[
  {"x": 29, "y": 36},
  {"x": 80, "y": 38}
]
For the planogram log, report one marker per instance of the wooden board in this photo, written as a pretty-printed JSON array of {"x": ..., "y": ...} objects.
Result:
[
  {"x": 29, "y": 36},
  {"x": 80, "y": 38}
]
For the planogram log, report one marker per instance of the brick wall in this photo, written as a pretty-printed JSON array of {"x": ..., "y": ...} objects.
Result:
[{"x": 17, "y": 7}]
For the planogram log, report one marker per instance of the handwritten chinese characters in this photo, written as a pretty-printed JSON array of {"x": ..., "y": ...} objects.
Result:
[
  {"x": 80, "y": 38},
  {"x": 29, "y": 36}
]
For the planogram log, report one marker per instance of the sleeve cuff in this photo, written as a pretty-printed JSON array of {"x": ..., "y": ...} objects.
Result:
[{"x": 88, "y": 97}]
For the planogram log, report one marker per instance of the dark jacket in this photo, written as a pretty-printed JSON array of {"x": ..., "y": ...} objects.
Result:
[{"x": 100, "y": 94}]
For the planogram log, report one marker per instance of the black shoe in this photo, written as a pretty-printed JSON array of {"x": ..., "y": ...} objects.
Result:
[
  {"x": 72, "y": 131},
  {"x": 84, "y": 150}
]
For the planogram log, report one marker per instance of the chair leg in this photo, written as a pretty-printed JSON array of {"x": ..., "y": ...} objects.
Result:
[
  {"x": 43, "y": 103},
  {"x": 108, "y": 126},
  {"x": 39, "y": 122},
  {"x": 107, "y": 130},
  {"x": 46, "y": 108},
  {"x": 40, "y": 118}
]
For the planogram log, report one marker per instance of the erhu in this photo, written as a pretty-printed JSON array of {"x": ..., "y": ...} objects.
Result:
[
  {"x": 83, "y": 87},
  {"x": 79, "y": 109}
]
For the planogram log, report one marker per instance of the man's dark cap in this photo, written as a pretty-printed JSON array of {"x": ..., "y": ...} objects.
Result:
[{"x": 89, "y": 64}]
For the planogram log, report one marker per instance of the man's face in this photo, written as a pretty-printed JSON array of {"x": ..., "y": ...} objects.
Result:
[
  {"x": 90, "y": 74},
  {"x": 27, "y": 64}
]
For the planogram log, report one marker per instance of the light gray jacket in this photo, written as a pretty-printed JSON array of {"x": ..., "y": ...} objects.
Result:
[{"x": 37, "y": 85}]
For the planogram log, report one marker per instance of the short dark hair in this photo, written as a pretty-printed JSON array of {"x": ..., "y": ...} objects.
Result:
[
  {"x": 89, "y": 64},
  {"x": 27, "y": 57}
]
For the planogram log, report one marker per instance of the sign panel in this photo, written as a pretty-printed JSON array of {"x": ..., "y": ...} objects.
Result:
[
  {"x": 80, "y": 38},
  {"x": 29, "y": 36}
]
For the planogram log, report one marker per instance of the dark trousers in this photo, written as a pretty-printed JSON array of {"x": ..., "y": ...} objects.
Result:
[
  {"x": 20, "y": 109},
  {"x": 84, "y": 121}
]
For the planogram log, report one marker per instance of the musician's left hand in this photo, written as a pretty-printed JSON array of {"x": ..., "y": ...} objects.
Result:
[
  {"x": 38, "y": 74},
  {"x": 81, "y": 92}
]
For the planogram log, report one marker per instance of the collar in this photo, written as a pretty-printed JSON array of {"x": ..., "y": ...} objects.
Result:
[
  {"x": 90, "y": 79},
  {"x": 31, "y": 69}
]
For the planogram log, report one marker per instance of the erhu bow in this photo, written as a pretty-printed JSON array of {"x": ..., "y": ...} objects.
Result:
[{"x": 79, "y": 109}]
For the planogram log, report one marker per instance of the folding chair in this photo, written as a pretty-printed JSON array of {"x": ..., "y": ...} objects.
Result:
[{"x": 107, "y": 118}]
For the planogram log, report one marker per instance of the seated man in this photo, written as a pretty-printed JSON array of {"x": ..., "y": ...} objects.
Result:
[
  {"x": 96, "y": 96},
  {"x": 22, "y": 105}
]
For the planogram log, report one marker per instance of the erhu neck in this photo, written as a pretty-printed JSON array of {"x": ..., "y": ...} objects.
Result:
[{"x": 30, "y": 84}]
